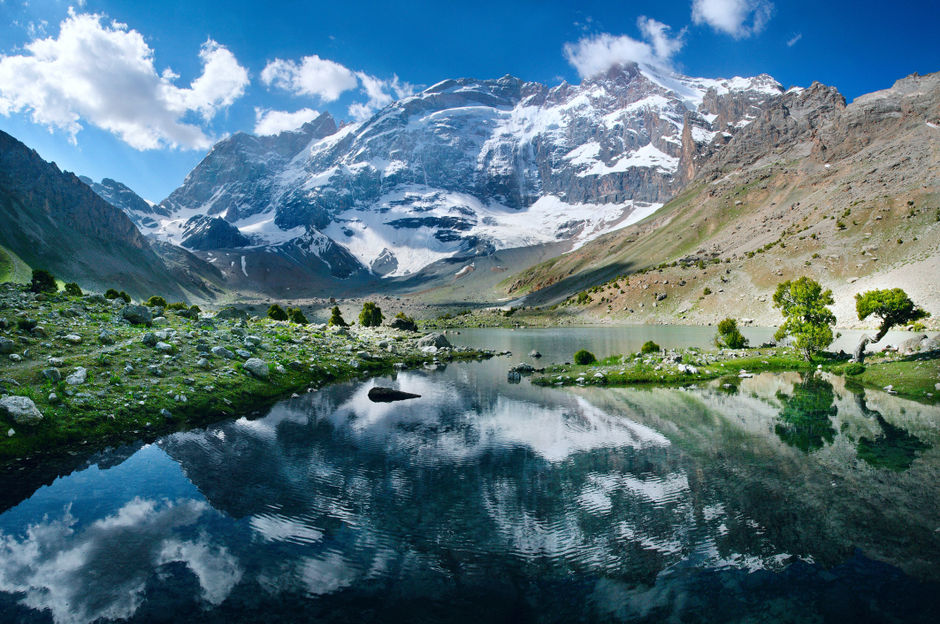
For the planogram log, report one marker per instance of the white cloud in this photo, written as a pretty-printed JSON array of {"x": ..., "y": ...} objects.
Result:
[
  {"x": 738, "y": 18},
  {"x": 275, "y": 121},
  {"x": 104, "y": 74},
  {"x": 380, "y": 92},
  {"x": 322, "y": 78},
  {"x": 596, "y": 54},
  {"x": 792, "y": 40}
]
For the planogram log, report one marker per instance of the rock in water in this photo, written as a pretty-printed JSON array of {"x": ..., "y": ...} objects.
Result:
[
  {"x": 378, "y": 394},
  {"x": 21, "y": 409},
  {"x": 434, "y": 340},
  {"x": 534, "y": 354}
]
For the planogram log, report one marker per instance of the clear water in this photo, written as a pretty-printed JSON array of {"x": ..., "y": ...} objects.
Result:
[{"x": 778, "y": 498}]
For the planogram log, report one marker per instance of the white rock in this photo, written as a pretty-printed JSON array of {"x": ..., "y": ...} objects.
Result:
[
  {"x": 78, "y": 377},
  {"x": 21, "y": 409}
]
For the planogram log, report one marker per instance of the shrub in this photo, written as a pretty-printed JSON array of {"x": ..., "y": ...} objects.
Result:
[
  {"x": 707, "y": 291},
  {"x": 584, "y": 357},
  {"x": 177, "y": 305},
  {"x": 336, "y": 318},
  {"x": 583, "y": 298},
  {"x": 405, "y": 322},
  {"x": 296, "y": 315},
  {"x": 650, "y": 347},
  {"x": 194, "y": 309},
  {"x": 156, "y": 301},
  {"x": 111, "y": 294},
  {"x": 73, "y": 290},
  {"x": 277, "y": 313},
  {"x": 729, "y": 336},
  {"x": 371, "y": 315},
  {"x": 43, "y": 281},
  {"x": 854, "y": 368},
  {"x": 123, "y": 295}
]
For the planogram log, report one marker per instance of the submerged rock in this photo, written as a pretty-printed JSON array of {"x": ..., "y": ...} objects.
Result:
[{"x": 379, "y": 394}]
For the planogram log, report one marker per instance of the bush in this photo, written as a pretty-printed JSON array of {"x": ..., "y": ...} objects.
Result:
[
  {"x": 111, "y": 294},
  {"x": 729, "y": 336},
  {"x": 123, "y": 295},
  {"x": 583, "y": 298},
  {"x": 177, "y": 305},
  {"x": 371, "y": 315},
  {"x": 336, "y": 318},
  {"x": 584, "y": 357},
  {"x": 43, "y": 281},
  {"x": 650, "y": 347},
  {"x": 296, "y": 315},
  {"x": 194, "y": 309},
  {"x": 156, "y": 301},
  {"x": 277, "y": 313},
  {"x": 854, "y": 368},
  {"x": 707, "y": 291},
  {"x": 73, "y": 290}
]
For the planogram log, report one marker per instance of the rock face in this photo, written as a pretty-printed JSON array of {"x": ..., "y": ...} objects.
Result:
[
  {"x": 21, "y": 409},
  {"x": 464, "y": 168},
  {"x": 378, "y": 394}
]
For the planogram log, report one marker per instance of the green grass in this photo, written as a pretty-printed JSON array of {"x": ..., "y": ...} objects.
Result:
[
  {"x": 912, "y": 377},
  {"x": 12, "y": 268}
]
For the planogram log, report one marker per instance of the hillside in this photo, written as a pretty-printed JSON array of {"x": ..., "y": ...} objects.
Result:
[{"x": 847, "y": 194}]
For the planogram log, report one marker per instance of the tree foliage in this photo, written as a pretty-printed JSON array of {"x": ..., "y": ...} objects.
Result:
[
  {"x": 807, "y": 320},
  {"x": 729, "y": 336},
  {"x": 277, "y": 313},
  {"x": 73, "y": 290},
  {"x": 43, "y": 281},
  {"x": 156, "y": 301},
  {"x": 584, "y": 357},
  {"x": 336, "y": 317},
  {"x": 892, "y": 306},
  {"x": 371, "y": 315},
  {"x": 296, "y": 315}
]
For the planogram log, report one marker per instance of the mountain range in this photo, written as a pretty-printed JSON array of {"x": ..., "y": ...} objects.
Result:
[{"x": 458, "y": 190}]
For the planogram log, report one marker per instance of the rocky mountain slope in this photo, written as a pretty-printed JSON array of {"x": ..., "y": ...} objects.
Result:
[
  {"x": 847, "y": 194},
  {"x": 53, "y": 220},
  {"x": 459, "y": 171}
]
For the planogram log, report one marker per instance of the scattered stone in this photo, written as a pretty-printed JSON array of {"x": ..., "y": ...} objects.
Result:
[
  {"x": 53, "y": 398},
  {"x": 137, "y": 314},
  {"x": 6, "y": 345},
  {"x": 202, "y": 363},
  {"x": 21, "y": 409},
  {"x": 164, "y": 347},
  {"x": 73, "y": 339},
  {"x": 106, "y": 337},
  {"x": 378, "y": 394},
  {"x": 222, "y": 352},
  {"x": 16, "y": 357},
  {"x": 257, "y": 368},
  {"x": 11, "y": 432},
  {"x": 52, "y": 374},
  {"x": 78, "y": 377}
]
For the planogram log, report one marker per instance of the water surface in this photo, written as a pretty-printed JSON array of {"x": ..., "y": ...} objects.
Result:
[{"x": 777, "y": 498}]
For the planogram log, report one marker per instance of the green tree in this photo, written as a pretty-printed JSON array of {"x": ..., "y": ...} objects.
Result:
[
  {"x": 277, "y": 313},
  {"x": 156, "y": 301},
  {"x": 892, "y": 306},
  {"x": 336, "y": 318},
  {"x": 296, "y": 315},
  {"x": 806, "y": 417},
  {"x": 584, "y": 357},
  {"x": 729, "y": 336},
  {"x": 650, "y": 347},
  {"x": 43, "y": 281},
  {"x": 73, "y": 290},
  {"x": 111, "y": 293},
  {"x": 371, "y": 315},
  {"x": 807, "y": 320}
]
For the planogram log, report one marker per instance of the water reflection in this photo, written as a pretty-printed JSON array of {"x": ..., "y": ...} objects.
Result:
[
  {"x": 495, "y": 501},
  {"x": 894, "y": 449},
  {"x": 805, "y": 420}
]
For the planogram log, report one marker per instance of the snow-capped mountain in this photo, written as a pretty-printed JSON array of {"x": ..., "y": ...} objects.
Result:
[{"x": 462, "y": 169}]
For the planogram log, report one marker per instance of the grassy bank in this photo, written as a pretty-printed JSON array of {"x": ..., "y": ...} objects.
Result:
[
  {"x": 136, "y": 381},
  {"x": 912, "y": 377}
]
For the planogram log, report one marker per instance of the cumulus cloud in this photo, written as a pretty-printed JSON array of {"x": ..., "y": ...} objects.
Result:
[
  {"x": 738, "y": 18},
  {"x": 380, "y": 94},
  {"x": 313, "y": 75},
  {"x": 275, "y": 121},
  {"x": 104, "y": 74},
  {"x": 100, "y": 571},
  {"x": 596, "y": 54}
]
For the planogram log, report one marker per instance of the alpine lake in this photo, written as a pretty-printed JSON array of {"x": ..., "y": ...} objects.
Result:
[{"x": 776, "y": 498}]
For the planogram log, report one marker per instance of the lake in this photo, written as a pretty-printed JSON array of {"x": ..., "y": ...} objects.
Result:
[{"x": 779, "y": 498}]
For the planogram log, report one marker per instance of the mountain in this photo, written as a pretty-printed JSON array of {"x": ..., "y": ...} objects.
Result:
[
  {"x": 439, "y": 181},
  {"x": 53, "y": 220},
  {"x": 848, "y": 194},
  {"x": 119, "y": 195}
]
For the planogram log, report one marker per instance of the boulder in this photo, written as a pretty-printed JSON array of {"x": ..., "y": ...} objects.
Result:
[
  {"x": 164, "y": 347},
  {"x": 106, "y": 337},
  {"x": 534, "y": 354},
  {"x": 52, "y": 374},
  {"x": 73, "y": 339},
  {"x": 222, "y": 352},
  {"x": 522, "y": 367},
  {"x": 149, "y": 339},
  {"x": 403, "y": 324},
  {"x": 379, "y": 394},
  {"x": 257, "y": 368},
  {"x": 434, "y": 340},
  {"x": 6, "y": 345},
  {"x": 21, "y": 409},
  {"x": 78, "y": 377},
  {"x": 911, "y": 345},
  {"x": 231, "y": 313},
  {"x": 137, "y": 314}
]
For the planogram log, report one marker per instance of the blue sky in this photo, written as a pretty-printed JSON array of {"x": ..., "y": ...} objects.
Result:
[{"x": 142, "y": 100}]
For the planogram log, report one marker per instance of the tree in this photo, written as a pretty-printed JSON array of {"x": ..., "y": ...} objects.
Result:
[
  {"x": 892, "y": 306},
  {"x": 584, "y": 357},
  {"x": 371, "y": 315},
  {"x": 43, "y": 281},
  {"x": 336, "y": 318},
  {"x": 277, "y": 313},
  {"x": 729, "y": 336},
  {"x": 650, "y": 347},
  {"x": 73, "y": 290},
  {"x": 112, "y": 294},
  {"x": 156, "y": 301},
  {"x": 807, "y": 320},
  {"x": 296, "y": 315}
]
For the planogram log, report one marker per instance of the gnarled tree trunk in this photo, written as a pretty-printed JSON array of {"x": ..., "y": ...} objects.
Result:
[{"x": 867, "y": 340}]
